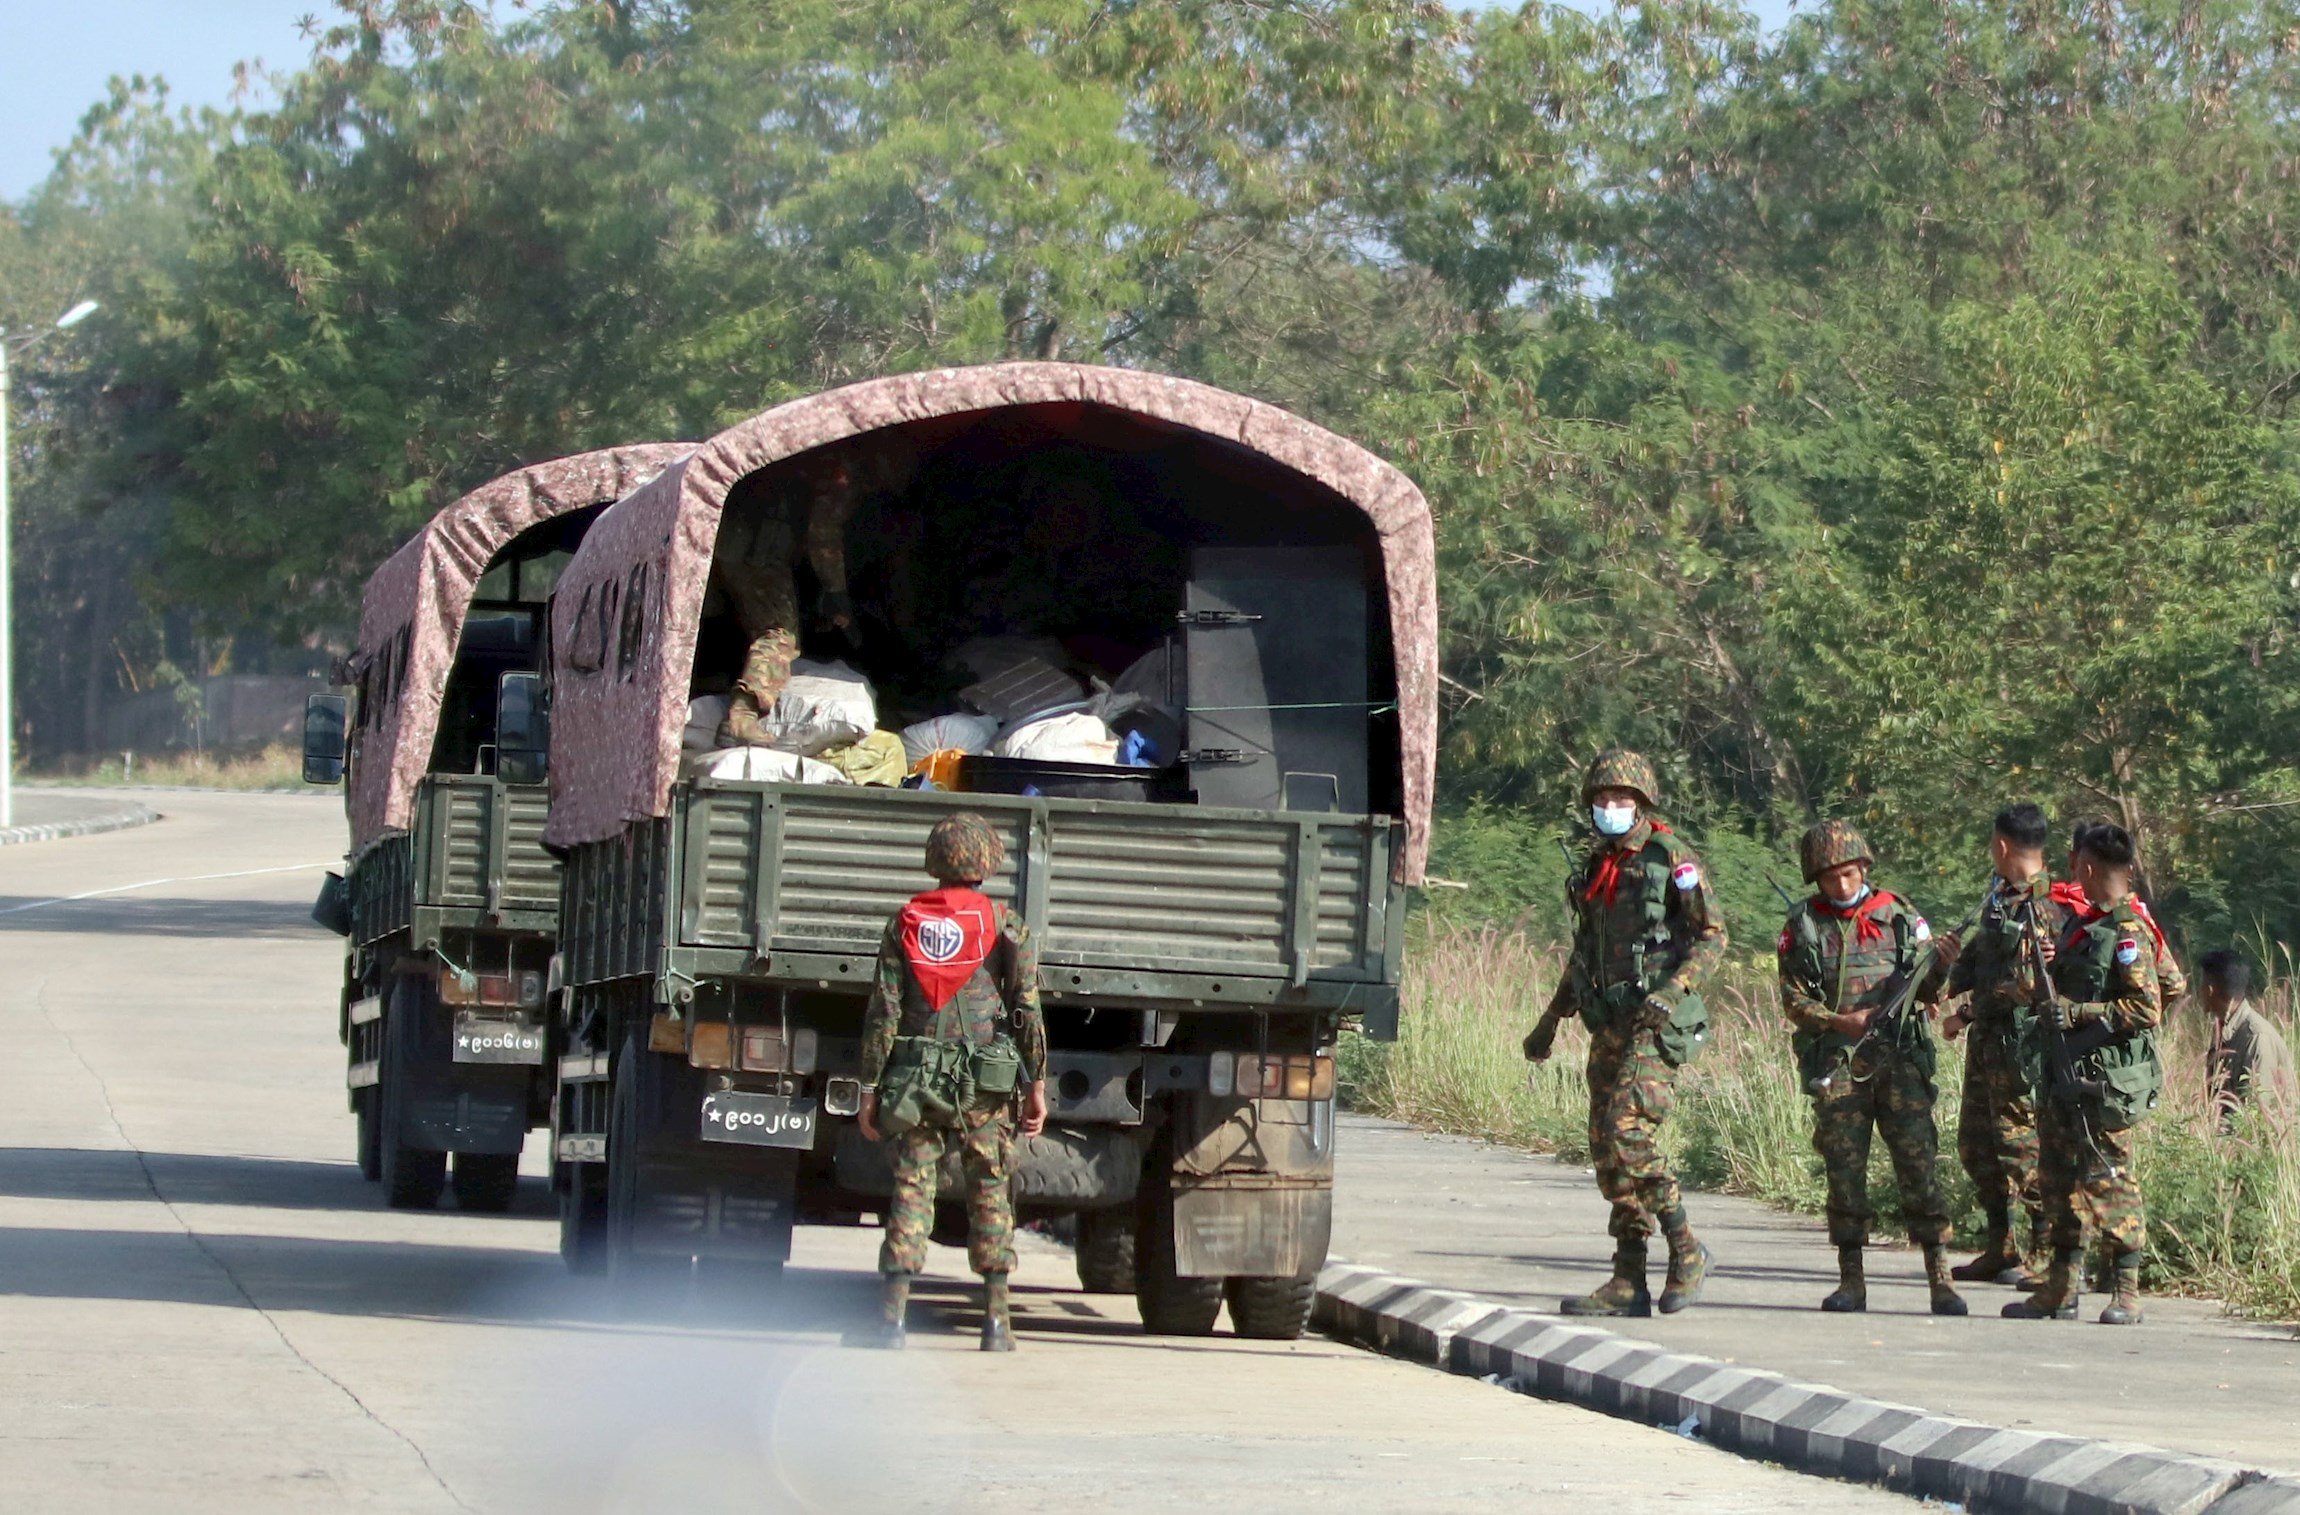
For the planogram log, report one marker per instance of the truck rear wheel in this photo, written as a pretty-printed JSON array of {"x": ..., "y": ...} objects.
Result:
[
  {"x": 1271, "y": 1309},
  {"x": 412, "y": 1177},
  {"x": 486, "y": 1182},
  {"x": 1106, "y": 1250},
  {"x": 363, "y": 1102},
  {"x": 583, "y": 1219},
  {"x": 1171, "y": 1305}
]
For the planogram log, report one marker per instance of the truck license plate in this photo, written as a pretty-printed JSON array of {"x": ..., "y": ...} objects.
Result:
[
  {"x": 488, "y": 1039},
  {"x": 759, "y": 1120}
]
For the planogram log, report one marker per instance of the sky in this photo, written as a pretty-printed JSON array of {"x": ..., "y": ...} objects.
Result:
[{"x": 56, "y": 57}]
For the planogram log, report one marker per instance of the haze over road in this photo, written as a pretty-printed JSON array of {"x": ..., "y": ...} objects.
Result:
[{"x": 203, "y": 1307}]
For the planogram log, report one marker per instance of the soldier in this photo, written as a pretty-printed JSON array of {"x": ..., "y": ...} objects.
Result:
[
  {"x": 751, "y": 568},
  {"x": 953, "y": 1024},
  {"x": 1646, "y": 935},
  {"x": 1996, "y": 1128},
  {"x": 2100, "y": 1076},
  {"x": 1847, "y": 955}
]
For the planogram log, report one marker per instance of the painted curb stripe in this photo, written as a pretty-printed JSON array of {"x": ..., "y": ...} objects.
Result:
[{"x": 1811, "y": 1427}]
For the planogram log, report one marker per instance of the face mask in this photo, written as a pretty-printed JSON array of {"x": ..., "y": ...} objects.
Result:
[
  {"x": 1859, "y": 895},
  {"x": 1613, "y": 820}
]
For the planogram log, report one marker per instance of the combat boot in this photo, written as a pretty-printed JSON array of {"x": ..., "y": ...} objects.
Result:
[
  {"x": 2124, "y": 1308},
  {"x": 2057, "y": 1298},
  {"x": 1852, "y": 1292},
  {"x": 1946, "y": 1300},
  {"x": 1688, "y": 1263},
  {"x": 1624, "y": 1293},
  {"x": 886, "y": 1333},
  {"x": 997, "y": 1317},
  {"x": 1997, "y": 1258}
]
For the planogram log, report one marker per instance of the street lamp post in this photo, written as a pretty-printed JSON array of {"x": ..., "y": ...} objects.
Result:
[{"x": 72, "y": 317}]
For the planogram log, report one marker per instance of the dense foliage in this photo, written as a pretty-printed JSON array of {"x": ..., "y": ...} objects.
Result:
[{"x": 1888, "y": 416}]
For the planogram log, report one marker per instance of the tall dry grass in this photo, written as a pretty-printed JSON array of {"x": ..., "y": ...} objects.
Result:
[
  {"x": 275, "y": 767},
  {"x": 2224, "y": 1210}
]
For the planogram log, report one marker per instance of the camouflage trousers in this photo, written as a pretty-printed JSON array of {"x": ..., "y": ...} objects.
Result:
[
  {"x": 1996, "y": 1129},
  {"x": 2087, "y": 1178},
  {"x": 1632, "y": 1089},
  {"x": 1896, "y": 1102},
  {"x": 984, "y": 1139}
]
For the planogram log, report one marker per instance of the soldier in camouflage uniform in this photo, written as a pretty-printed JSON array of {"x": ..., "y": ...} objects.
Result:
[
  {"x": 954, "y": 972},
  {"x": 2098, "y": 1075},
  {"x": 1647, "y": 934},
  {"x": 1996, "y": 1128},
  {"x": 751, "y": 568},
  {"x": 1844, "y": 954}
]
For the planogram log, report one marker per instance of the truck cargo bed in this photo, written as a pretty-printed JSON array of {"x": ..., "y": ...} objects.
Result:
[
  {"x": 474, "y": 860},
  {"x": 793, "y": 884}
]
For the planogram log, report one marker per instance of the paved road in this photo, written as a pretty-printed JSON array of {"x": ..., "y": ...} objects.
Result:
[
  {"x": 1527, "y": 1230},
  {"x": 202, "y": 1307}
]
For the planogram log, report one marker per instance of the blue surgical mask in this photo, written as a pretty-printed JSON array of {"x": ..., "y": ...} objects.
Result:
[
  {"x": 1613, "y": 820},
  {"x": 1859, "y": 895}
]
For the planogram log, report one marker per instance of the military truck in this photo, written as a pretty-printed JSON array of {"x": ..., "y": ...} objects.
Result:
[
  {"x": 447, "y": 898},
  {"x": 1207, "y": 925}
]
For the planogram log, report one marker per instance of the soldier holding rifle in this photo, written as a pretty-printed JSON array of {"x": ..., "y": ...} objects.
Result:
[
  {"x": 1853, "y": 958},
  {"x": 2097, "y": 1072},
  {"x": 1996, "y": 1127}
]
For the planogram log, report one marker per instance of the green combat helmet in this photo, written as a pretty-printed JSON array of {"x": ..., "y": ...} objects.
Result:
[
  {"x": 1828, "y": 845},
  {"x": 962, "y": 849},
  {"x": 1619, "y": 768}
]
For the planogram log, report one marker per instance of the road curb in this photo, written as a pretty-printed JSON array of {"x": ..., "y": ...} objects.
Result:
[
  {"x": 1810, "y": 1427},
  {"x": 87, "y": 825}
]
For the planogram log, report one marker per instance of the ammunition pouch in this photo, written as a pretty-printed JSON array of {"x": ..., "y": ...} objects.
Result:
[
  {"x": 1686, "y": 1031},
  {"x": 2129, "y": 1076},
  {"x": 930, "y": 1082}
]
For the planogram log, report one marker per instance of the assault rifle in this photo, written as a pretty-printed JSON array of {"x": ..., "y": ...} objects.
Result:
[
  {"x": 1885, "y": 1020},
  {"x": 2061, "y": 1049}
]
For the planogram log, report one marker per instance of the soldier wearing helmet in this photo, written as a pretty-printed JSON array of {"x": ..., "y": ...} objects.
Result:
[
  {"x": 1647, "y": 934},
  {"x": 1849, "y": 955},
  {"x": 953, "y": 1033}
]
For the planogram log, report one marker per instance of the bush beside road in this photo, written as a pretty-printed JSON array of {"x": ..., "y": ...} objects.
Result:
[{"x": 2223, "y": 1211}]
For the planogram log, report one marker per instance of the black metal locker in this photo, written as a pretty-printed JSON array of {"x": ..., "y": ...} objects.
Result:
[{"x": 1274, "y": 639}]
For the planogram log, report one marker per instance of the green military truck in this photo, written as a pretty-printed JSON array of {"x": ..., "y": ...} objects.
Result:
[
  {"x": 1207, "y": 923},
  {"x": 449, "y": 903}
]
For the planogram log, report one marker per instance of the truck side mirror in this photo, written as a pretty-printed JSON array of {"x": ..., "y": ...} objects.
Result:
[
  {"x": 522, "y": 729},
  {"x": 326, "y": 717}
]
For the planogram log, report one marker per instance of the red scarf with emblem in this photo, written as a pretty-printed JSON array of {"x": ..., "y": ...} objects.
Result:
[
  {"x": 1863, "y": 914},
  {"x": 947, "y": 934},
  {"x": 2072, "y": 895},
  {"x": 1607, "y": 879}
]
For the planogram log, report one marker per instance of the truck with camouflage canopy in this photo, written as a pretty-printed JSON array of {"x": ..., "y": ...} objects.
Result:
[
  {"x": 449, "y": 903},
  {"x": 1202, "y": 941}
]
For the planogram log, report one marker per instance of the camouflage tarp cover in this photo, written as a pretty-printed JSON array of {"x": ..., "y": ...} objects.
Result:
[
  {"x": 616, "y": 721},
  {"x": 414, "y": 605}
]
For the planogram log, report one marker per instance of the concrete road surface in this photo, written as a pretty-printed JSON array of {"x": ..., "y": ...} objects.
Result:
[
  {"x": 1527, "y": 1230},
  {"x": 202, "y": 1307}
]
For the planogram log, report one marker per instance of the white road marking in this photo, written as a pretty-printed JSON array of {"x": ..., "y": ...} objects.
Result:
[{"x": 154, "y": 883}]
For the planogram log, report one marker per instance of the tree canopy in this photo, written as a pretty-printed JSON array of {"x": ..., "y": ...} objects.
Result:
[{"x": 1886, "y": 416}]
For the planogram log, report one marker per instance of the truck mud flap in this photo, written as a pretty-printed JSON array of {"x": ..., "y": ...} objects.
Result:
[
  {"x": 466, "y": 1109},
  {"x": 701, "y": 1207},
  {"x": 1059, "y": 1170},
  {"x": 1226, "y": 1231}
]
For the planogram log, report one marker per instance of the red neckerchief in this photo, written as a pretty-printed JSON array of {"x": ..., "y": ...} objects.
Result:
[
  {"x": 2072, "y": 895},
  {"x": 1607, "y": 878},
  {"x": 1866, "y": 928},
  {"x": 946, "y": 936}
]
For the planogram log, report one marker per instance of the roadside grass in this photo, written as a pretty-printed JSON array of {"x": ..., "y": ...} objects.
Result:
[
  {"x": 276, "y": 767},
  {"x": 2223, "y": 1210}
]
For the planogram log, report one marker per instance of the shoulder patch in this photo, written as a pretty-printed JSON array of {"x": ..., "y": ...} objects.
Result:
[
  {"x": 1921, "y": 931},
  {"x": 2127, "y": 952},
  {"x": 1788, "y": 940},
  {"x": 1686, "y": 875}
]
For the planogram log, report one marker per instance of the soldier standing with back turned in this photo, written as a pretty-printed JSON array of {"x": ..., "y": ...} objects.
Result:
[
  {"x": 1647, "y": 934},
  {"x": 952, "y": 1034},
  {"x": 1996, "y": 1128},
  {"x": 1846, "y": 955}
]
